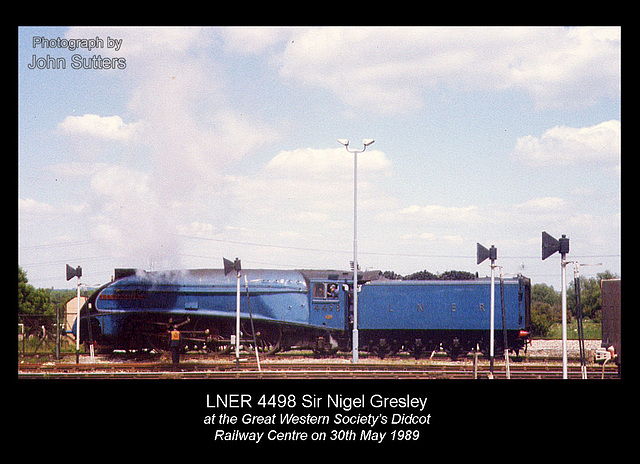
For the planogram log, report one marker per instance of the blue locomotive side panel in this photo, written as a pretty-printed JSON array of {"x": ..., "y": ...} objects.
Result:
[
  {"x": 439, "y": 305},
  {"x": 279, "y": 296}
]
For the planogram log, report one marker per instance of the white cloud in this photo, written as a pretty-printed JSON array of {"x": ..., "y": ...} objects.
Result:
[
  {"x": 312, "y": 182},
  {"x": 463, "y": 224},
  {"x": 313, "y": 217},
  {"x": 386, "y": 69},
  {"x": 429, "y": 237},
  {"x": 327, "y": 163},
  {"x": 76, "y": 169},
  {"x": 571, "y": 67},
  {"x": 451, "y": 214},
  {"x": 37, "y": 211},
  {"x": 31, "y": 206},
  {"x": 101, "y": 127},
  {"x": 253, "y": 40},
  {"x": 306, "y": 195},
  {"x": 543, "y": 205},
  {"x": 567, "y": 146}
]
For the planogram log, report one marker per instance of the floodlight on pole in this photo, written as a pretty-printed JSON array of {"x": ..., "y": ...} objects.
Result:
[{"x": 366, "y": 143}]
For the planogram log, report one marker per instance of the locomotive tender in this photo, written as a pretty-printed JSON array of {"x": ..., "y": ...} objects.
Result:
[{"x": 310, "y": 309}]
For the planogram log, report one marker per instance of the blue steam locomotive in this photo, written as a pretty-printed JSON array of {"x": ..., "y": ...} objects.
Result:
[{"x": 306, "y": 309}]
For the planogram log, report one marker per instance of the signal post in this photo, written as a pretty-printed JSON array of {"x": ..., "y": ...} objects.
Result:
[{"x": 549, "y": 246}]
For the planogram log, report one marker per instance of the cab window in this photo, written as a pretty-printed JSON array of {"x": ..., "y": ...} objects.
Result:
[
  {"x": 325, "y": 291},
  {"x": 332, "y": 291},
  {"x": 319, "y": 291}
]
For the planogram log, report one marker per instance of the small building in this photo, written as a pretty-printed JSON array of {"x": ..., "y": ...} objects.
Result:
[{"x": 72, "y": 311}]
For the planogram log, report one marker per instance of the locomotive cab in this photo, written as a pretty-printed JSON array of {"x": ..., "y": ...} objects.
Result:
[
  {"x": 330, "y": 297},
  {"x": 328, "y": 306},
  {"x": 331, "y": 307}
]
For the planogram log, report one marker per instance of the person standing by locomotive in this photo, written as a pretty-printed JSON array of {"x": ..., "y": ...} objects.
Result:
[{"x": 175, "y": 345}]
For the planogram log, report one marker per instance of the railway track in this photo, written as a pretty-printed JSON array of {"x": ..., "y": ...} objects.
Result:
[{"x": 306, "y": 370}]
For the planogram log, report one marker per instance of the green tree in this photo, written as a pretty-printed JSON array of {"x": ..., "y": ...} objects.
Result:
[
  {"x": 457, "y": 275},
  {"x": 542, "y": 318},
  {"x": 544, "y": 293},
  {"x": 391, "y": 275},
  {"x": 421, "y": 275},
  {"x": 31, "y": 300},
  {"x": 546, "y": 309},
  {"x": 34, "y": 305},
  {"x": 590, "y": 295},
  {"x": 447, "y": 275}
]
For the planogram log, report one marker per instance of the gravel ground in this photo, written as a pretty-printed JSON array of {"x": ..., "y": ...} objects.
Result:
[{"x": 554, "y": 348}]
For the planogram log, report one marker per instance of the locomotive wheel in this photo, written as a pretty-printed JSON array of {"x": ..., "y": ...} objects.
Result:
[
  {"x": 268, "y": 338},
  {"x": 416, "y": 348},
  {"x": 454, "y": 349},
  {"x": 324, "y": 345},
  {"x": 216, "y": 342},
  {"x": 385, "y": 348},
  {"x": 157, "y": 342}
]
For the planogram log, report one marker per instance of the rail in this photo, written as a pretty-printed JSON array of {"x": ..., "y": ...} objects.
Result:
[{"x": 293, "y": 369}]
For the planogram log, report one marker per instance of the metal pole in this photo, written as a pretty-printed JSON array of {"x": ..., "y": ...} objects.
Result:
[
  {"x": 576, "y": 283},
  {"x": 57, "y": 333},
  {"x": 505, "y": 340},
  {"x": 78, "y": 324},
  {"x": 491, "y": 329},
  {"x": 237, "y": 319},
  {"x": 355, "y": 257},
  {"x": 549, "y": 246},
  {"x": 563, "y": 264},
  {"x": 253, "y": 328},
  {"x": 355, "y": 242},
  {"x": 475, "y": 362}
]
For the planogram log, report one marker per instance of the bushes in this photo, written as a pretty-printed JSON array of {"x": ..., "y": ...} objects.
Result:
[
  {"x": 542, "y": 318},
  {"x": 546, "y": 304}
]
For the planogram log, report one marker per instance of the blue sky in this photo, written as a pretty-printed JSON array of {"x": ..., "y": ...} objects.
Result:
[{"x": 213, "y": 142}]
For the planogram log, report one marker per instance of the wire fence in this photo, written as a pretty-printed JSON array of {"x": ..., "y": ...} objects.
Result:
[{"x": 40, "y": 334}]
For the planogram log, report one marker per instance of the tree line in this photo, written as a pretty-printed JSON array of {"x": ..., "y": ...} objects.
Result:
[
  {"x": 426, "y": 275},
  {"x": 37, "y": 306},
  {"x": 546, "y": 302}
]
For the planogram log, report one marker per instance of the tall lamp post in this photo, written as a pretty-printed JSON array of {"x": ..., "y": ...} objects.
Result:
[{"x": 366, "y": 143}]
